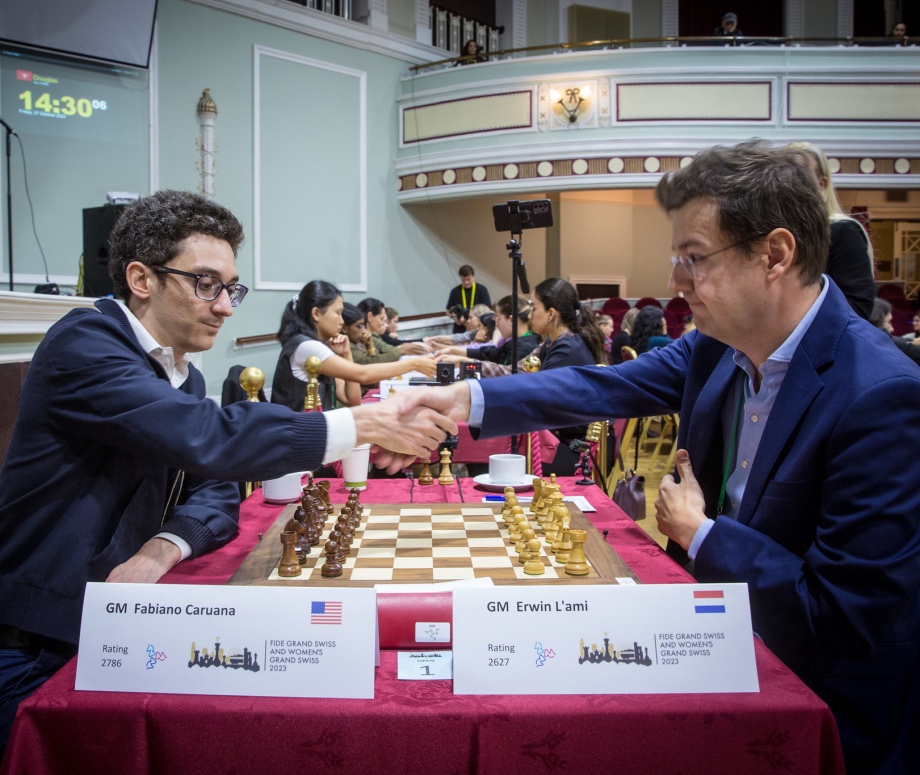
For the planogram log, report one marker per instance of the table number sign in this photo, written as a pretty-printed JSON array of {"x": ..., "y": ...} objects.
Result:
[
  {"x": 604, "y": 639},
  {"x": 248, "y": 641}
]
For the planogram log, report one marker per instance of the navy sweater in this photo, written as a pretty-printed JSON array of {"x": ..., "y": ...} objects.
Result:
[{"x": 100, "y": 437}]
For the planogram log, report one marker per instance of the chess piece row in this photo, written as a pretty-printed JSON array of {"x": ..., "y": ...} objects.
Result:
[
  {"x": 338, "y": 545},
  {"x": 553, "y": 522},
  {"x": 304, "y": 530}
]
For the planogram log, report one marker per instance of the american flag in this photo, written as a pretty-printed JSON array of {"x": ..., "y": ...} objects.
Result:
[{"x": 325, "y": 612}]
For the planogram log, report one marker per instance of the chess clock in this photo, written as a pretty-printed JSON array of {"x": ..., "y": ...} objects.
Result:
[{"x": 44, "y": 104}]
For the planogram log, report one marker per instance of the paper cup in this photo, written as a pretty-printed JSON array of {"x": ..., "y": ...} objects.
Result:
[
  {"x": 285, "y": 489},
  {"x": 354, "y": 467},
  {"x": 506, "y": 469}
]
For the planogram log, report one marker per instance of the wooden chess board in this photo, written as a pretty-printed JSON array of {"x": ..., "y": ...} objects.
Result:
[{"x": 424, "y": 543}]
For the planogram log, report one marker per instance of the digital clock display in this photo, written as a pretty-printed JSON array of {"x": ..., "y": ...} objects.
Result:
[{"x": 65, "y": 106}]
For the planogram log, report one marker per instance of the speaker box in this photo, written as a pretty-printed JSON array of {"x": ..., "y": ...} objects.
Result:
[{"x": 98, "y": 223}]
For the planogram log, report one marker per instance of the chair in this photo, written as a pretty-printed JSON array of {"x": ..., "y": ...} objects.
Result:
[
  {"x": 628, "y": 354},
  {"x": 234, "y": 391},
  {"x": 890, "y": 291},
  {"x": 648, "y": 301},
  {"x": 675, "y": 323},
  {"x": 615, "y": 304},
  {"x": 677, "y": 304}
]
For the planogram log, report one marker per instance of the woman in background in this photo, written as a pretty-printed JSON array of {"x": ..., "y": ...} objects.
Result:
[
  {"x": 622, "y": 337},
  {"x": 850, "y": 262},
  {"x": 649, "y": 330},
  {"x": 572, "y": 338},
  {"x": 881, "y": 318},
  {"x": 376, "y": 318},
  {"x": 312, "y": 325}
]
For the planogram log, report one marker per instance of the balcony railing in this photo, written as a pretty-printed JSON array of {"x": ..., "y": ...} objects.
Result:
[{"x": 492, "y": 54}]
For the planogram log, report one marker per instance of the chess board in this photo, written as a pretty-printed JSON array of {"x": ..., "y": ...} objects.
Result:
[{"x": 424, "y": 543}]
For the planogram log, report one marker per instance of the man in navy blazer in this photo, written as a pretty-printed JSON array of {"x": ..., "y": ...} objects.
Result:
[{"x": 797, "y": 418}]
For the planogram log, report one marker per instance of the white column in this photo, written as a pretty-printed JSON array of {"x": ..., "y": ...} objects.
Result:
[{"x": 423, "y": 21}]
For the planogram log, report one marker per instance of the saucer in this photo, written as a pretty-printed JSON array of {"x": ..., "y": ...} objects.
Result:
[
  {"x": 279, "y": 501},
  {"x": 484, "y": 480}
]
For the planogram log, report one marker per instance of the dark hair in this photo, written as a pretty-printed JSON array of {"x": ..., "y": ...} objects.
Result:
[
  {"x": 555, "y": 293},
  {"x": 298, "y": 314},
  {"x": 647, "y": 325},
  {"x": 151, "y": 231},
  {"x": 756, "y": 189},
  {"x": 351, "y": 314},
  {"x": 371, "y": 305},
  {"x": 461, "y": 313},
  {"x": 503, "y": 307},
  {"x": 466, "y": 271},
  {"x": 880, "y": 310},
  {"x": 488, "y": 322}
]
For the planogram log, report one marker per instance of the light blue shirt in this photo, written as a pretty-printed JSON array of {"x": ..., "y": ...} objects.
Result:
[{"x": 754, "y": 415}]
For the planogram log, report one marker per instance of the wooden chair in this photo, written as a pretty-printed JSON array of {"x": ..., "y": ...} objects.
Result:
[{"x": 628, "y": 354}]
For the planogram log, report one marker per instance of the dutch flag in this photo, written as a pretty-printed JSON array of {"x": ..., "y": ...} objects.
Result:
[{"x": 709, "y": 601}]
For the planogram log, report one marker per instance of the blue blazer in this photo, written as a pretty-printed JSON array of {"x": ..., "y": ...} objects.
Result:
[{"x": 827, "y": 534}]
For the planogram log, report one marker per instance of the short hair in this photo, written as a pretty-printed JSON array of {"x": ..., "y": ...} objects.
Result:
[
  {"x": 151, "y": 230},
  {"x": 756, "y": 190},
  {"x": 880, "y": 310},
  {"x": 466, "y": 271}
]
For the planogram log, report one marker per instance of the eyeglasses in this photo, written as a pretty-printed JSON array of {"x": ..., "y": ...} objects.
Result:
[
  {"x": 690, "y": 263},
  {"x": 208, "y": 287}
]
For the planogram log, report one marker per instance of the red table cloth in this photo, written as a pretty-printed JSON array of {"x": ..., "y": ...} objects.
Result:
[{"x": 421, "y": 727}]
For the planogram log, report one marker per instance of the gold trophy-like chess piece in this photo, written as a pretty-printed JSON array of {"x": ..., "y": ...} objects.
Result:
[
  {"x": 252, "y": 380},
  {"x": 311, "y": 402},
  {"x": 530, "y": 364}
]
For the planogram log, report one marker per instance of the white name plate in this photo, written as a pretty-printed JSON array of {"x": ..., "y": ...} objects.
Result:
[
  {"x": 248, "y": 641},
  {"x": 605, "y": 639}
]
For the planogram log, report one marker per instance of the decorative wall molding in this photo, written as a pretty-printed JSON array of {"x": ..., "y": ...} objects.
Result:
[
  {"x": 689, "y": 101},
  {"x": 467, "y": 116},
  {"x": 361, "y": 225},
  {"x": 621, "y": 171},
  {"x": 853, "y": 101},
  {"x": 35, "y": 313}
]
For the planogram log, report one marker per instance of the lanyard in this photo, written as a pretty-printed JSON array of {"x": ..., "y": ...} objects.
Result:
[
  {"x": 463, "y": 296},
  {"x": 729, "y": 459}
]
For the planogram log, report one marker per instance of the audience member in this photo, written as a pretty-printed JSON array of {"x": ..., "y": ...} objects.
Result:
[
  {"x": 729, "y": 27},
  {"x": 881, "y": 318},
  {"x": 472, "y": 54},
  {"x": 467, "y": 294},
  {"x": 913, "y": 336},
  {"x": 605, "y": 324},
  {"x": 469, "y": 320},
  {"x": 622, "y": 337},
  {"x": 850, "y": 262},
  {"x": 899, "y": 31},
  {"x": 649, "y": 330}
]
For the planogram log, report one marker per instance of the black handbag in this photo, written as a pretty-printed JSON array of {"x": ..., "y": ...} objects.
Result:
[{"x": 629, "y": 495}]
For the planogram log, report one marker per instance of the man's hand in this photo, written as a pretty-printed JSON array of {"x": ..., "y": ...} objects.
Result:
[
  {"x": 680, "y": 508},
  {"x": 402, "y": 426},
  {"x": 152, "y": 560},
  {"x": 450, "y": 400}
]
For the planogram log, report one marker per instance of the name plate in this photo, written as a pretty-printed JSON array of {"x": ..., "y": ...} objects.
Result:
[
  {"x": 247, "y": 641},
  {"x": 604, "y": 639}
]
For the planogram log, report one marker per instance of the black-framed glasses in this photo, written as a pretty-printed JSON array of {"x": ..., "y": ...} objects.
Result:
[
  {"x": 690, "y": 263},
  {"x": 208, "y": 287}
]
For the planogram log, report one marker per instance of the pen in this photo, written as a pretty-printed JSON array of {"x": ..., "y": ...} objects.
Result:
[{"x": 495, "y": 497}]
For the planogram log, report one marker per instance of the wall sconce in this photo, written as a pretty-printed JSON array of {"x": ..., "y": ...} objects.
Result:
[{"x": 572, "y": 103}]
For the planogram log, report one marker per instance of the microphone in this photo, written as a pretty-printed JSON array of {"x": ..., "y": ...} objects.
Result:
[{"x": 7, "y": 127}]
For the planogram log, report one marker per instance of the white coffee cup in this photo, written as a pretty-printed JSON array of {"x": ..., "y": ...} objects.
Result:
[
  {"x": 506, "y": 469},
  {"x": 284, "y": 489},
  {"x": 354, "y": 467}
]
